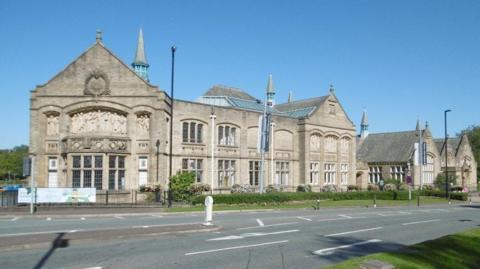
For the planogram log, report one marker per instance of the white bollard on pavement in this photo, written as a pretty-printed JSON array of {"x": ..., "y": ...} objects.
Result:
[{"x": 208, "y": 210}]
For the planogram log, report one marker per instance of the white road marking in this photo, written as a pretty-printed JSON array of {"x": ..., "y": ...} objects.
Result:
[
  {"x": 14, "y": 219},
  {"x": 96, "y": 267},
  {"x": 237, "y": 247},
  {"x": 417, "y": 222},
  {"x": 304, "y": 218},
  {"x": 331, "y": 219},
  {"x": 260, "y": 223},
  {"x": 119, "y": 217},
  {"x": 328, "y": 251},
  {"x": 356, "y": 231},
  {"x": 48, "y": 219},
  {"x": 233, "y": 237},
  {"x": 270, "y": 225},
  {"x": 33, "y": 233},
  {"x": 157, "y": 216},
  {"x": 73, "y": 231},
  {"x": 345, "y": 216},
  {"x": 82, "y": 218}
]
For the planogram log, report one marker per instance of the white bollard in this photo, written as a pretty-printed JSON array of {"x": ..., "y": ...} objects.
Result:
[{"x": 208, "y": 210}]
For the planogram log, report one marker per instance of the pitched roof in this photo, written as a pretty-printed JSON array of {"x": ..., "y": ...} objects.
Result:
[
  {"x": 453, "y": 143},
  {"x": 220, "y": 90},
  {"x": 301, "y": 108},
  {"x": 388, "y": 147}
]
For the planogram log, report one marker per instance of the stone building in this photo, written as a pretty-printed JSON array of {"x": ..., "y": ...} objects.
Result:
[
  {"x": 99, "y": 123},
  {"x": 395, "y": 155}
]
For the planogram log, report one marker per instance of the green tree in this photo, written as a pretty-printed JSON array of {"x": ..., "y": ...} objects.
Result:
[
  {"x": 180, "y": 185},
  {"x": 473, "y": 134},
  {"x": 440, "y": 181},
  {"x": 12, "y": 161}
]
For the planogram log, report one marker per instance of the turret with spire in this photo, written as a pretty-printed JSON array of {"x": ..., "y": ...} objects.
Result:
[
  {"x": 364, "y": 125},
  {"x": 270, "y": 92},
  {"x": 290, "y": 97},
  {"x": 140, "y": 64}
]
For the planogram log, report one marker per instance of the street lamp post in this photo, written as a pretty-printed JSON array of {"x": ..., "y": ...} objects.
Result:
[
  {"x": 446, "y": 155},
  {"x": 171, "y": 128}
]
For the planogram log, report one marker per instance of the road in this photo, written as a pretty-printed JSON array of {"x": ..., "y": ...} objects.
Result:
[{"x": 266, "y": 239}]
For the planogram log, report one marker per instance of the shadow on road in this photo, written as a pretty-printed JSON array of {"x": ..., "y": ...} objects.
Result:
[{"x": 58, "y": 242}]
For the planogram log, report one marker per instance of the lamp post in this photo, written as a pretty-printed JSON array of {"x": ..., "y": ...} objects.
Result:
[
  {"x": 446, "y": 154},
  {"x": 158, "y": 153},
  {"x": 171, "y": 129}
]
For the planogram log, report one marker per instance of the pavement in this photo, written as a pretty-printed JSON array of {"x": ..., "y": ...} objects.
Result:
[{"x": 255, "y": 239}]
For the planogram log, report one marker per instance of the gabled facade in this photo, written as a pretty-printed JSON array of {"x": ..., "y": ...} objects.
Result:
[{"x": 100, "y": 123}]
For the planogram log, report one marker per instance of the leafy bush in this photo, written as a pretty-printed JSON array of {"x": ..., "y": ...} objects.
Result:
[
  {"x": 274, "y": 188},
  {"x": 373, "y": 187},
  {"x": 456, "y": 188},
  {"x": 462, "y": 196},
  {"x": 150, "y": 188},
  {"x": 403, "y": 187},
  {"x": 353, "y": 188},
  {"x": 440, "y": 181},
  {"x": 304, "y": 188},
  {"x": 180, "y": 186},
  {"x": 281, "y": 197},
  {"x": 243, "y": 188},
  {"x": 329, "y": 188},
  {"x": 198, "y": 188},
  {"x": 428, "y": 187}
]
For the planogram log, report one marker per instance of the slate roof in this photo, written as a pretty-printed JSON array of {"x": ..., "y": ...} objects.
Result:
[
  {"x": 220, "y": 90},
  {"x": 240, "y": 99},
  {"x": 453, "y": 143},
  {"x": 388, "y": 147}
]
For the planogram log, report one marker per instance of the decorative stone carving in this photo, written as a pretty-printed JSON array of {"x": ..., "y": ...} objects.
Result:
[
  {"x": 143, "y": 125},
  {"x": 52, "y": 125},
  {"x": 98, "y": 122},
  {"x": 315, "y": 142},
  {"x": 97, "y": 84}
]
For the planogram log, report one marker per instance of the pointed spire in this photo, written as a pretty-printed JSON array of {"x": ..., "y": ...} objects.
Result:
[
  {"x": 332, "y": 89},
  {"x": 364, "y": 125},
  {"x": 290, "y": 98},
  {"x": 417, "y": 128},
  {"x": 140, "y": 64},
  {"x": 140, "y": 53},
  {"x": 270, "y": 92},
  {"x": 364, "y": 118}
]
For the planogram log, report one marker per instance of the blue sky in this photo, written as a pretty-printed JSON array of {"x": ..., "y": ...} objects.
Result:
[{"x": 400, "y": 60}]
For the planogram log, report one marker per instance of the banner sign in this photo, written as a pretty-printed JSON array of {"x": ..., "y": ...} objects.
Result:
[{"x": 58, "y": 195}]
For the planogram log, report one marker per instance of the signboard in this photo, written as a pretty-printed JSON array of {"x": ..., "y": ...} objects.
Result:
[{"x": 58, "y": 195}]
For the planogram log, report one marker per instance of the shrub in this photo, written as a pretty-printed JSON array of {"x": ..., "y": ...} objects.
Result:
[
  {"x": 440, "y": 181},
  {"x": 243, "y": 188},
  {"x": 373, "y": 187},
  {"x": 150, "y": 188},
  {"x": 180, "y": 186},
  {"x": 390, "y": 187},
  {"x": 353, "y": 188},
  {"x": 403, "y": 187},
  {"x": 304, "y": 188},
  {"x": 198, "y": 188},
  {"x": 462, "y": 196},
  {"x": 329, "y": 188},
  {"x": 428, "y": 187},
  {"x": 274, "y": 188},
  {"x": 457, "y": 188}
]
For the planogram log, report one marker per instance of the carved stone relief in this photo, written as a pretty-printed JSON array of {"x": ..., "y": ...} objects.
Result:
[
  {"x": 97, "y": 84},
  {"x": 98, "y": 122},
  {"x": 143, "y": 125},
  {"x": 52, "y": 125}
]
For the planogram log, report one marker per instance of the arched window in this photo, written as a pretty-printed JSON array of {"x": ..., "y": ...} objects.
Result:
[
  {"x": 227, "y": 135},
  {"x": 331, "y": 144},
  {"x": 428, "y": 171},
  {"x": 345, "y": 145},
  {"x": 192, "y": 132}
]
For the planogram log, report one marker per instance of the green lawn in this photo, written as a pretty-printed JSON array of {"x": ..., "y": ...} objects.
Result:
[
  {"x": 455, "y": 251},
  {"x": 310, "y": 204}
]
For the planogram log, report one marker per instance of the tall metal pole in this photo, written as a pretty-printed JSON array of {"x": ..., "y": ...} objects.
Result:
[
  {"x": 271, "y": 154},
  {"x": 446, "y": 156},
  {"x": 171, "y": 129},
  {"x": 212, "y": 118},
  {"x": 420, "y": 155}
]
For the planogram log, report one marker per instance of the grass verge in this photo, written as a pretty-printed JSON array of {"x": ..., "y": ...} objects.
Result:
[
  {"x": 310, "y": 204},
  {"x": 455, "y": 251}
]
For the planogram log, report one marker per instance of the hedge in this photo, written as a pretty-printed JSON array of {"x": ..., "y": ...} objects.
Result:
[
  {"x": 281, "y": 197},
  {"x": 462, "y": 196}
]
